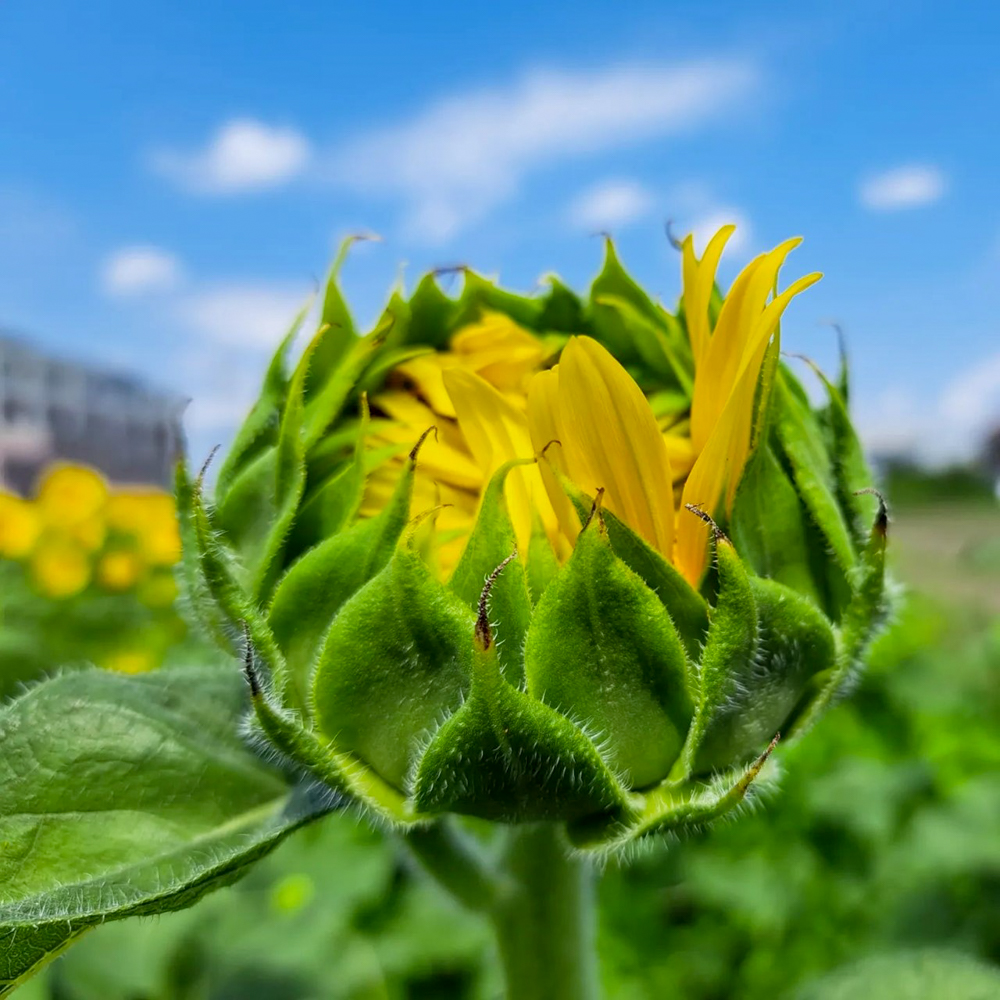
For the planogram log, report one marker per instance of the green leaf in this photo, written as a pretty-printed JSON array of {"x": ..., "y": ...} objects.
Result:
[
  {"x": 122, "y": 796},
  {"x": 916, "y": 975},
  {"x": 602, "y": 650},
  {"x": 505, "y": 756},
  {"x": 491, "y": 541},
  {"x": 395, "y": 661},
  {"x": 313, "y": 591}
]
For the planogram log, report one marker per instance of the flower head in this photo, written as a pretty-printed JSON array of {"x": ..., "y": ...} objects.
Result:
[{"x": 543, "y": 558}]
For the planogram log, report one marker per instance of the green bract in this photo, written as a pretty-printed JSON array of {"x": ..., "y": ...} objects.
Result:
[{"x": 603, "y": 692}]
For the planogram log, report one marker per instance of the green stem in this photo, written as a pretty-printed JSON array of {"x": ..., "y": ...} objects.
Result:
[
  {"x": 456, "y": 863},
  {"x": 539, "y": 898},
  {"x": 545, "y": 920}
]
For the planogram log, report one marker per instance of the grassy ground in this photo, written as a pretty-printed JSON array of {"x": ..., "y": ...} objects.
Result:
[{"x": 950, "y": 552}]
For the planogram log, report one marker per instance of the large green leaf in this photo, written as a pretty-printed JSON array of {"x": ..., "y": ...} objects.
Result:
[{"x": 124, "y": 796}]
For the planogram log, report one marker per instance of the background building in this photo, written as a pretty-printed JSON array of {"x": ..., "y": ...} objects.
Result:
[{"x": 52, "y": 409}]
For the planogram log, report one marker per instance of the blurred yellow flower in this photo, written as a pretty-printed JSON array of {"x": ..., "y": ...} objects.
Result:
[
  {"x": 19, "y": 527},
  {"x": 70, "y": 495},
  {"x": 150, "y": 518},
  {"x": 130, "y": 661},
  {"x": 119, "y": 570},
  {"x": 59, "y": 567},
  {"x": 158, "y": 590}
]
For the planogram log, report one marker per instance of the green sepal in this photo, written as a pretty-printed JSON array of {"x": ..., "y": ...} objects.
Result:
[
  {"x": 686, "y": 607},
  {"x": 342, "y": 773},
  {"x": 765, "y": 644},
  {"x": 219, "y": 584},
  {"x": 432, "y": 314},
  {"x": 197, "y": 599},
  {"x": 479, "y": 294},
  {"x": 658, "y": 354},
  {"x": 333, "y": 504},
  {"x": 602, "y": 649},
  {"x": 768, "y": 524},
  {"x": 312, "y": 592},
  {"x": 396, "y": 660},
  {"x": 802, "y": 443},
  {"x": 336, "y": 317},
  {"x": 864, "y": 616},
  {"x": 672, "y": 809},
  {"x": 492, "y": 539},
  {"x": 562, "y": 310},
  {"x": 259, "y": 430},
  {"x": 851, "y": 472},
  {"x": 506, "y": 757},
  {"x": 327, "y": 404},
  {"x": 542, "y": 562},
  {"x": 608, "y": 324},
  {"x": 259, "y": 509}
]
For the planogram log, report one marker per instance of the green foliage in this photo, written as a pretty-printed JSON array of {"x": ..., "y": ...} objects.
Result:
[{"x": 124, "y": 796}]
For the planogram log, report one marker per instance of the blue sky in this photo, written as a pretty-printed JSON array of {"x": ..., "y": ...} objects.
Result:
[{"x": 174, "y": 177}]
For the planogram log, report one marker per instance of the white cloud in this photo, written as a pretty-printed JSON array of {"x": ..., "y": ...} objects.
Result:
[
  {"x": 464, "y": 155},
  {"x": 611, "y": 204},
  {"x": 948, "y": 427},
  {"x": 707, "y": 224},
  {"x": 903, "y": 187},
  {"x": 243, "y": 155},
  {"x": 246, "y": 316},
  {"x": 139, "y": 270}
]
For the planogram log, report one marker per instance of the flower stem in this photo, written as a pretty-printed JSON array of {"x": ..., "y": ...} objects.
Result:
[
  {"x": 539, "y": 898},
  {"x": 544, "y": 919}
]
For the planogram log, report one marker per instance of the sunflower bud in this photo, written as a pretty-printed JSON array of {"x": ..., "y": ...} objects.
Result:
[{"x": 543, "y": 558}]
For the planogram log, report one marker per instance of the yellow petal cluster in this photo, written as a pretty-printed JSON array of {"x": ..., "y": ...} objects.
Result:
[{"x": 500, "y": 392}]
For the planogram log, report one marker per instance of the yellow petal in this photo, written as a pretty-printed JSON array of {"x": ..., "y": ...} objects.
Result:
[
  {"x": 543, "y": 422},
  {"x": 699, "y": 280},
  {"x": 497, "y": 432},
  {"x": 611, "y": 439},
  {"x": 715, "y": 380},
  {"x": 721, "y": 462}
]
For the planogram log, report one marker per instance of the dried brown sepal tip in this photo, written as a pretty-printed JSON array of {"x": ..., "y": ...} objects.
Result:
[
  {"x": 757, "y": 766},
  {"x": 249, "y": 669},
  {"x": 415, "y": 450},
  {"x": 595, "y": 509},
  {"x": 882, "y": 517},
  {"x": 202, "y": 472},
  {"x": 483, "y": 632},
  {"x": 698, "y": 510}
]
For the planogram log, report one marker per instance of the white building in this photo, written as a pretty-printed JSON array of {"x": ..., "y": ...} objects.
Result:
[{"x": 52, "y": 409}]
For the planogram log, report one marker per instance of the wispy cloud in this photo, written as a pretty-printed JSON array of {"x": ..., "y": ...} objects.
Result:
[
  {"x": 950, "y": 426},
  {"x": 140, "y": 270},
  {"x": 461, "y": 157},
  {"x": 908, "y": 186},
  {"x": 243, "y": 155},
  {"x": 243, "y": 315},
  {"x": 612, "y": 204}
]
